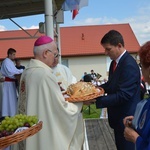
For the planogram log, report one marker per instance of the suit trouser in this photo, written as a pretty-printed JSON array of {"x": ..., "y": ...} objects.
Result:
[{"x": 121, "y": 142}]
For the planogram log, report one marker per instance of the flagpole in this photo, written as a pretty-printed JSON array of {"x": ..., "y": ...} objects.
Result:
[
  {"x": 58, "y": 40},
  {"x": 49, "y": 24}
]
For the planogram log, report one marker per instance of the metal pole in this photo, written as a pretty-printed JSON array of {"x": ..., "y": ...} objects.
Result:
[
  {"x": 58, "y": 31},
  {"x": 49, "y": 24}
]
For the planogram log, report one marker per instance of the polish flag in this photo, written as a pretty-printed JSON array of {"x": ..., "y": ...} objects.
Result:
[{"x": 74, "y": 13}]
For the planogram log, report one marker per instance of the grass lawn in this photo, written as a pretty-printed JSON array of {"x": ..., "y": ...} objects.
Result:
[{"x": 90, "y": 112}]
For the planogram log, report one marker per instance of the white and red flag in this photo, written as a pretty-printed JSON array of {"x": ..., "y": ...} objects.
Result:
[
  {"x": 74, "y": 13},
  {"x": 74, "y": 6}
]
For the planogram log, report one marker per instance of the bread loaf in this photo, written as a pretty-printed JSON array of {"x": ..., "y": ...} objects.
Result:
[{"x": 81, "y": 89}]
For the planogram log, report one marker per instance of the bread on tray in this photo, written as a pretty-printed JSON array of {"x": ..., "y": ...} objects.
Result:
[{"x": 81, "y": 89}]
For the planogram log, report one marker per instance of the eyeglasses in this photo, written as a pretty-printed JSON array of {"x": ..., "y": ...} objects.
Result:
[{"x": 55, "y": 55}]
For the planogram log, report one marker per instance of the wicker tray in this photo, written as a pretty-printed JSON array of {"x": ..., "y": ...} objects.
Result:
[
  {"x": 20, "y": 136},
  {"x": 100, "y": 92}
]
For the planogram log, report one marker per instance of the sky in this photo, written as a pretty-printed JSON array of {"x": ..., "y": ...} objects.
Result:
[{"x": 98, "y": 12}]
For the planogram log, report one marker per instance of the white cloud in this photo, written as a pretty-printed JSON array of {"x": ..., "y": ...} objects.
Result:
[
  {"x": 145, "y": 9},
  {"x": 90, "y": 21},
  {"x": 141, "y": 30},
  {"x": 2, "y": 28},
  {"x": 32, "y": 27}
]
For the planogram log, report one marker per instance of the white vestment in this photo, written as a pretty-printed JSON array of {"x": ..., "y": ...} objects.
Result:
[
  {"x": 40, "y": 95},
  {"x": 9, "y": 96},
  {"x": 64, "y": 75}
]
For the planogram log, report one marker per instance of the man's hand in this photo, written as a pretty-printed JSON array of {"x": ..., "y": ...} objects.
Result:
[
  {"x": 89, "y": 102},
  {"x": 130, "y": 134},
  {"x": 127, "y": 121}
]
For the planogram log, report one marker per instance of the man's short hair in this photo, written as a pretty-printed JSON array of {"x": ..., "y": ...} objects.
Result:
[
  {"x": 11, "y": 51},
  {"x": 113, "y": 37}
]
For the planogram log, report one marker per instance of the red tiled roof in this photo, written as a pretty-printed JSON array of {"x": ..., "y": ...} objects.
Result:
[
  {"x": 75, "y": 41},
  {"x": 19, "y": 40},
  {"x": 85, "y": 40}
]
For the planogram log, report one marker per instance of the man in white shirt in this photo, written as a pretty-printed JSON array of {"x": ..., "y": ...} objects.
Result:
[{"x": 9, "y": 93}]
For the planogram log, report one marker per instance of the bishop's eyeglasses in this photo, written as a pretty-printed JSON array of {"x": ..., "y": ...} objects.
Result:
[{"x": 55, "y": 55}]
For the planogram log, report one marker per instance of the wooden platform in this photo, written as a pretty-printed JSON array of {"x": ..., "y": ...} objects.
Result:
[{"x": 99, "y": 136}]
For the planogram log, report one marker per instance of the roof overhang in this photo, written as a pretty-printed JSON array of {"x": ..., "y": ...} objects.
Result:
[{"x": 20, "y": 8}]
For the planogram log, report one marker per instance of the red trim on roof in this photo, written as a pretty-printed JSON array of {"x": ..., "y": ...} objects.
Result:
[{"x": 75, "y": 41}]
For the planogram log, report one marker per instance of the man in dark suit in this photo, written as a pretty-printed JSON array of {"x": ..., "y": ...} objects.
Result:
[{"x": 122, "y": 88}]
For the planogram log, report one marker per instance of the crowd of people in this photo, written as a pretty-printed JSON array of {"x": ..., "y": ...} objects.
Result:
[
  {"x": 44, "y": 79},
  {"x": 94, "y": 78}
]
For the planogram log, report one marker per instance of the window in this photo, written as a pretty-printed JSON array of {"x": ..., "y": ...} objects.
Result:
[{"x": 64, "y": 62}]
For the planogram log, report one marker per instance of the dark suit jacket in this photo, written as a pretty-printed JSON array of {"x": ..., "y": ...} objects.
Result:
[{"x": 123, "y": 91}]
